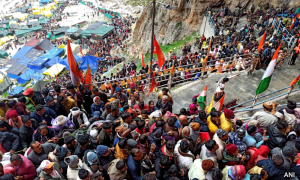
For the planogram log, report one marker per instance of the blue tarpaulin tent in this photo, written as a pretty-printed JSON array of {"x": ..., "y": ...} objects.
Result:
[
  {"x": 65, "y": 62},
  {"x": 16, "y": 90},
  {"x": 39, "y": 63},
  {"x": 54, "y": 60},
  {"x": 52, "y": 53},
  {"x": 21, "y": 53},
  {"x": 89, "y": 61},
  {"x": 38, "y": 75},
  {"x": 26, "y": 76}
]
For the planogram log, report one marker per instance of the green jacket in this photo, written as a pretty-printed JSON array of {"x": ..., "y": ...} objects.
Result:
[{"x": 56, "y": 166}]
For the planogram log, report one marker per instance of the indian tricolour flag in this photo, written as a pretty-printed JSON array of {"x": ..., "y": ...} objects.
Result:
[
  {"x": 202, "y": 98},
  {"x": 266, "y": 79}
]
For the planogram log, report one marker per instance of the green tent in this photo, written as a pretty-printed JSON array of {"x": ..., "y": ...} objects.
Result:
[{"x": 3, "y": 54}]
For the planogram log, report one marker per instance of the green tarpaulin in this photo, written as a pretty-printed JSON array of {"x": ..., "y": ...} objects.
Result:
[
  {"x": 3, "y": 54},
  {"x": 102, "y": 31},
  {"x": 22, "y": 32}
]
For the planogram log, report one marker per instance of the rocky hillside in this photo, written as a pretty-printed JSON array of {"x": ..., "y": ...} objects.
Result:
[{"x": 185, "y": 18}]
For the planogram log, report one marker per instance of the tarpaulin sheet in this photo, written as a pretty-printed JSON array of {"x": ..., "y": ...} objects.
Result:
[
  {"x": 102, "y": 31},
  {"x": 6, "y": 21},
  {"x": 16, "y": 90},
  {"x": 52, "y": 53},
  {"x": 65, "y": 62},
  {"x": 24, "y": 61},
  {"x": 34, "y": 53},
  {"x": 13, "y": 26},
  {"x": 33, "y": 42},
  {"x": 3, "y": 54},
  {"x": 90, "y": 61},
  {"x": 3, "y": 33},
  {"x": 54, "y": 70},
  {"x": 39, "y": 63},
  {"x": 95, "y": 25},
  {"x": 33, "y": 23},
  {"x": 26, "y": 76},
  {"x": 72, "y": 30},
  {"x": 60, "y": 30},
  {"x": 15, "y": 70},
  {"x": 39, "y": 85},
  {"x": 21, "y": 53},
  {"x": 54, "y": 60},
  {"x": 45, "y": 45},
  {"x": 38, "y": 75},
  {"x": 13, "y": 61}
]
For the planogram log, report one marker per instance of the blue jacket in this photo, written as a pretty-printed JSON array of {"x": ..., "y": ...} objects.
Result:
[
  {"x": 134, "y": 168},
  {"x": 9, "y": 141},
  {"x": 251, "y": 142},
  {"x": 48, "y": 115},
  {"x": 99, "y": 108},
  {"x": 38, "y": 137},
  {"x": 274, "y": 172}
]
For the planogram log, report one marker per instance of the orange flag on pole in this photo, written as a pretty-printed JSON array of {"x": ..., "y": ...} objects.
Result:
[
  {"x": 296, "y": 17},
  {"x": 295, "y": 81},
  {"x": 143, "y": 62},
  {"x": 209, "y": 46},
  {"x": 88, "y": 77},
  {"x": 74, "y": 71},
  {"x": 262, "y": 41},
  {"x": 153, "y": 83},
  {"x": 173, "y": 69},
  {"x": 159, "y": 53}
]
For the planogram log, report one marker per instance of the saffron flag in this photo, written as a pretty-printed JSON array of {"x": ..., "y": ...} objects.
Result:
[
  {"x": 159, "y": 53},
  {"x": 216, "y": 106},
  {"x": 88, "y": 77},
  {"x": 296, "y": 17},
  {"x": 297, "y": 80},
  {"x": 153, "y": 83},
  {"x": 81, "y": 51},
  {"x": 74, "y": 71},
  {"x": 266, "y": 79},
  {"x": 172, "y": 69},
  {"x": 202, "y": 98},
  {"x": 262, "y": 41},
  {"x": 143, "y": 62},
  {"x": 209, "y": 46}
]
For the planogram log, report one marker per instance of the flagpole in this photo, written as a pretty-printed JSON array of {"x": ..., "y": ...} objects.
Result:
[
  {"x": 291, "y": 88},
  {"x": 254, "y": 101},
  {"x": 152, "y": 40}
]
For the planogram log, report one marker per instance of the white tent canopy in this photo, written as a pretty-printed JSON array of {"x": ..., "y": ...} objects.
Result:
[{"x": 54, "y": 70}]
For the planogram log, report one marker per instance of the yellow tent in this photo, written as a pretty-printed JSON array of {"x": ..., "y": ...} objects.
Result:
[
  {"x": 13, "y": 22},
  {"x": 54, "y": 70},
  {"x": 47, "y": 13},
  {"x": 75, "y": 48},
  {"x": 56, "y": 1},
  {"x": 35, "y": 7},
  {"x": 62, "y": 46},
  {"x": 36, "y": 12}
]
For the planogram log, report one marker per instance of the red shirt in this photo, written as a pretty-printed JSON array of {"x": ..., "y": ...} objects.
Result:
[{"x": 137, "y": 108}]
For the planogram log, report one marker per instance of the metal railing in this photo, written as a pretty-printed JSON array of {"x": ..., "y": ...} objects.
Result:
[
  {"x": 286, "y": 35},
  {"x": 210, "y": 20}
]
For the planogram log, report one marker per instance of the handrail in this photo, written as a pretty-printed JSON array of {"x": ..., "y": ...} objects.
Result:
[
  {"x": 251, "y": 100},
  {"x": 254, "y": 109},
  {"x": 270, "y": 99}
]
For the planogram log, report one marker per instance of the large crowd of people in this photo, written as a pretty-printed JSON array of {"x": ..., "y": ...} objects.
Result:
[{"x": 75, "y": 133}]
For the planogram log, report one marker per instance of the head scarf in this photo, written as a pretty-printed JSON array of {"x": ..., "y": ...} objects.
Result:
[
  {"x": 253, "y": 123},
  {"x": 95, "y": 99},
  {"x": 207, "y": 164},
  {"x": 236, "y": 172},
  {"x": 193, "y": 109},
  {"x": 12, "y": 113},
  {"x": 91, "y": 156},
  {"x": 73, "y": 160},
  {"x": 75, "y": 111},
  {"x": 255, "y": 170},
  {"x": 263, "y": 151}
]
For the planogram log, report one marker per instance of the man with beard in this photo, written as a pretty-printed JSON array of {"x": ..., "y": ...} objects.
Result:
[
  {"x": 70, "y": 143},
  {"x": 106, "y": 135}
]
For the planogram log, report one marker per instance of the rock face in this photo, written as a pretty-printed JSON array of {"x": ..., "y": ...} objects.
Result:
[{"x": 184, "y": 19}]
